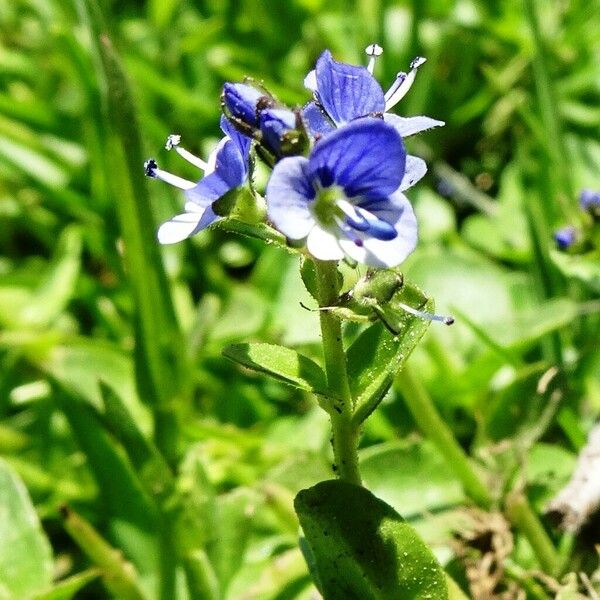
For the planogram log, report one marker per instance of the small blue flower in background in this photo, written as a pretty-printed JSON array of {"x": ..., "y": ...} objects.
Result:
[
  {"x": 565, "y": 237},
  {"x": 590, "y": 201},
  {"x": 346, "y": 92},
  {"x": 227, "y": 168},
  {"x": 346, "y": 198}
]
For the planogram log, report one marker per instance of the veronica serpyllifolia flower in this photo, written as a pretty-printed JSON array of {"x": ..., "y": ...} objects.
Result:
[
  {"x": 346, "y": 92},
  {"x": 565, "y": 237},
  {"x": 226, "y": 169},
  {"x": 346, "y": 198},
  {"x": 590, "y": 201}
]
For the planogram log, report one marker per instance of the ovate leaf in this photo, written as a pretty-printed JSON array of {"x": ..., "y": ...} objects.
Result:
[
  {"x": 363, "y": 549},
  {"x": 377, "y": 354},
  {"x": 281, "y": 363}
]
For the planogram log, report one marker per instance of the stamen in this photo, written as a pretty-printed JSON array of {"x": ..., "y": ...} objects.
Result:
[
  {"x": 151, "y": 170},
  {"x": 349, "y": 232},
  {"x": 353, "y": 216},
  {"x": 403, "y": 83},
  {"x": 425, "y": 315},
  {"x": 373, "y": 51},
  {"x": 173, "y": 141}
]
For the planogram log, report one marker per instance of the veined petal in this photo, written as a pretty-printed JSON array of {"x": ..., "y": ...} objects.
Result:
[
  {"x": 323, "y": 244},
  {"x": 289, "y": 193},
  {"x": 317, "y": 121},
  {"x": 407, "y": 126},
  {"x": 207, "y": 190},
  {"x": 231, "y": 166},
  {"x": 241, "y": 141},
  {"x": 185, "y": 225},
  {"x": 366, "y": 158},
  {"x": 415, "y": 171},
  {"x": 347, "y": 92},
  {"x": 387, "y": 253}
]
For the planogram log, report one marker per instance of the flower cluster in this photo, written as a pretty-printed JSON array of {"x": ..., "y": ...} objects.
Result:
[
  {"x": 339, "y": 165},
  {"x": 572, "y": 238}
]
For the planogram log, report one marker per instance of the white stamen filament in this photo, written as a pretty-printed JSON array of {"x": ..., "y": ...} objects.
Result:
[
  {"x": 351, "y": 211},
  {"x": 152, "y": 170},
  {"x": 402, "y": 84},
  {"x": 425, "y": 315},
  {"x": 173, "y": 141},
  {"x": 373, "y": 51}
]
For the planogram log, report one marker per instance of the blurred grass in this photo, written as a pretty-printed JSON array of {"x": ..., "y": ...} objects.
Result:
[{"x": 87, "y": 297}]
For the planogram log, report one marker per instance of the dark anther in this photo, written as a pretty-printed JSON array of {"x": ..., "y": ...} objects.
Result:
[
  {"x": 149, "y": 167},
  {"x": 338, "y": 409}
]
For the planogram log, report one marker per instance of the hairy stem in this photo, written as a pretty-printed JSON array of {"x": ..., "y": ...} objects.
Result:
[{"x": 345, "y": 433}]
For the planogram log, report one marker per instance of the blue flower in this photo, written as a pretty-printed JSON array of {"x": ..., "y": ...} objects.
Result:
[
  {"x": 226, "y": 169},
  {"x": 346, "y": 198},
  {"x": 565, "y": 237},
  {"x": 346, "y": 92},
  {"x": 590, "y": 201}
]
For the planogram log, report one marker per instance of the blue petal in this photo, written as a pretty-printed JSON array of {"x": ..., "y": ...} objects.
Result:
[
  {"x": 347, "y": 92},
  {"x": 366, "y": 158},
  {"x": 241, "y": 99},
  {"x": 274, "y": 123},
  {"x": 317, "y": 121},
  {"x": 207, "y": 190},
  {"x": 241, "y": 141},
  {"x": 289, "y": 193}
]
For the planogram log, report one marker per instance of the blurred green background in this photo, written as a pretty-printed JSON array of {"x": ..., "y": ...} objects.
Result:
[{"x": 114, "y": 396}]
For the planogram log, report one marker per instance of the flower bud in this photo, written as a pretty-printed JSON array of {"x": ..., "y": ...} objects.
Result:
[
  {"x": 275, "y": 125},
  {"x": 241, "y": 102}
]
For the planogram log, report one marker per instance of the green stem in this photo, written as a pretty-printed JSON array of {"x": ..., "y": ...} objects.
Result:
[
  {"x": 521, "y": 514},
  {"x": 546, "y": 93},
  {"x": 434, "y": 427},
  {"x": 345, "y": 433}
]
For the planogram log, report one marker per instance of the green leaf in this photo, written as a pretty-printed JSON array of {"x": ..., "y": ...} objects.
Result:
[
  {"x": 281, "y": 363},
  {"x": 25, "y": 553},
  {"x": 67, "y": 588},
  {"x": 363, "y": 549},
  {"x": 233, "y": 524},
  {"x": 414, "y": 478},
  {"x": 583, "y": 267},
  {"x": 377, "y": 355},
  {"x": 133, "y": 523},
  {"x": 58, "y": 285},
  {"x": 118, "y": 575}
]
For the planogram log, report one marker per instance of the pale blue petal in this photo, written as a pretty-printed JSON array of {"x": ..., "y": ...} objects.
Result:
[
  {"x": 407, "y": 126},
  {"x": 414, "y": 172},
  {"x": 289, "y": 193}
]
